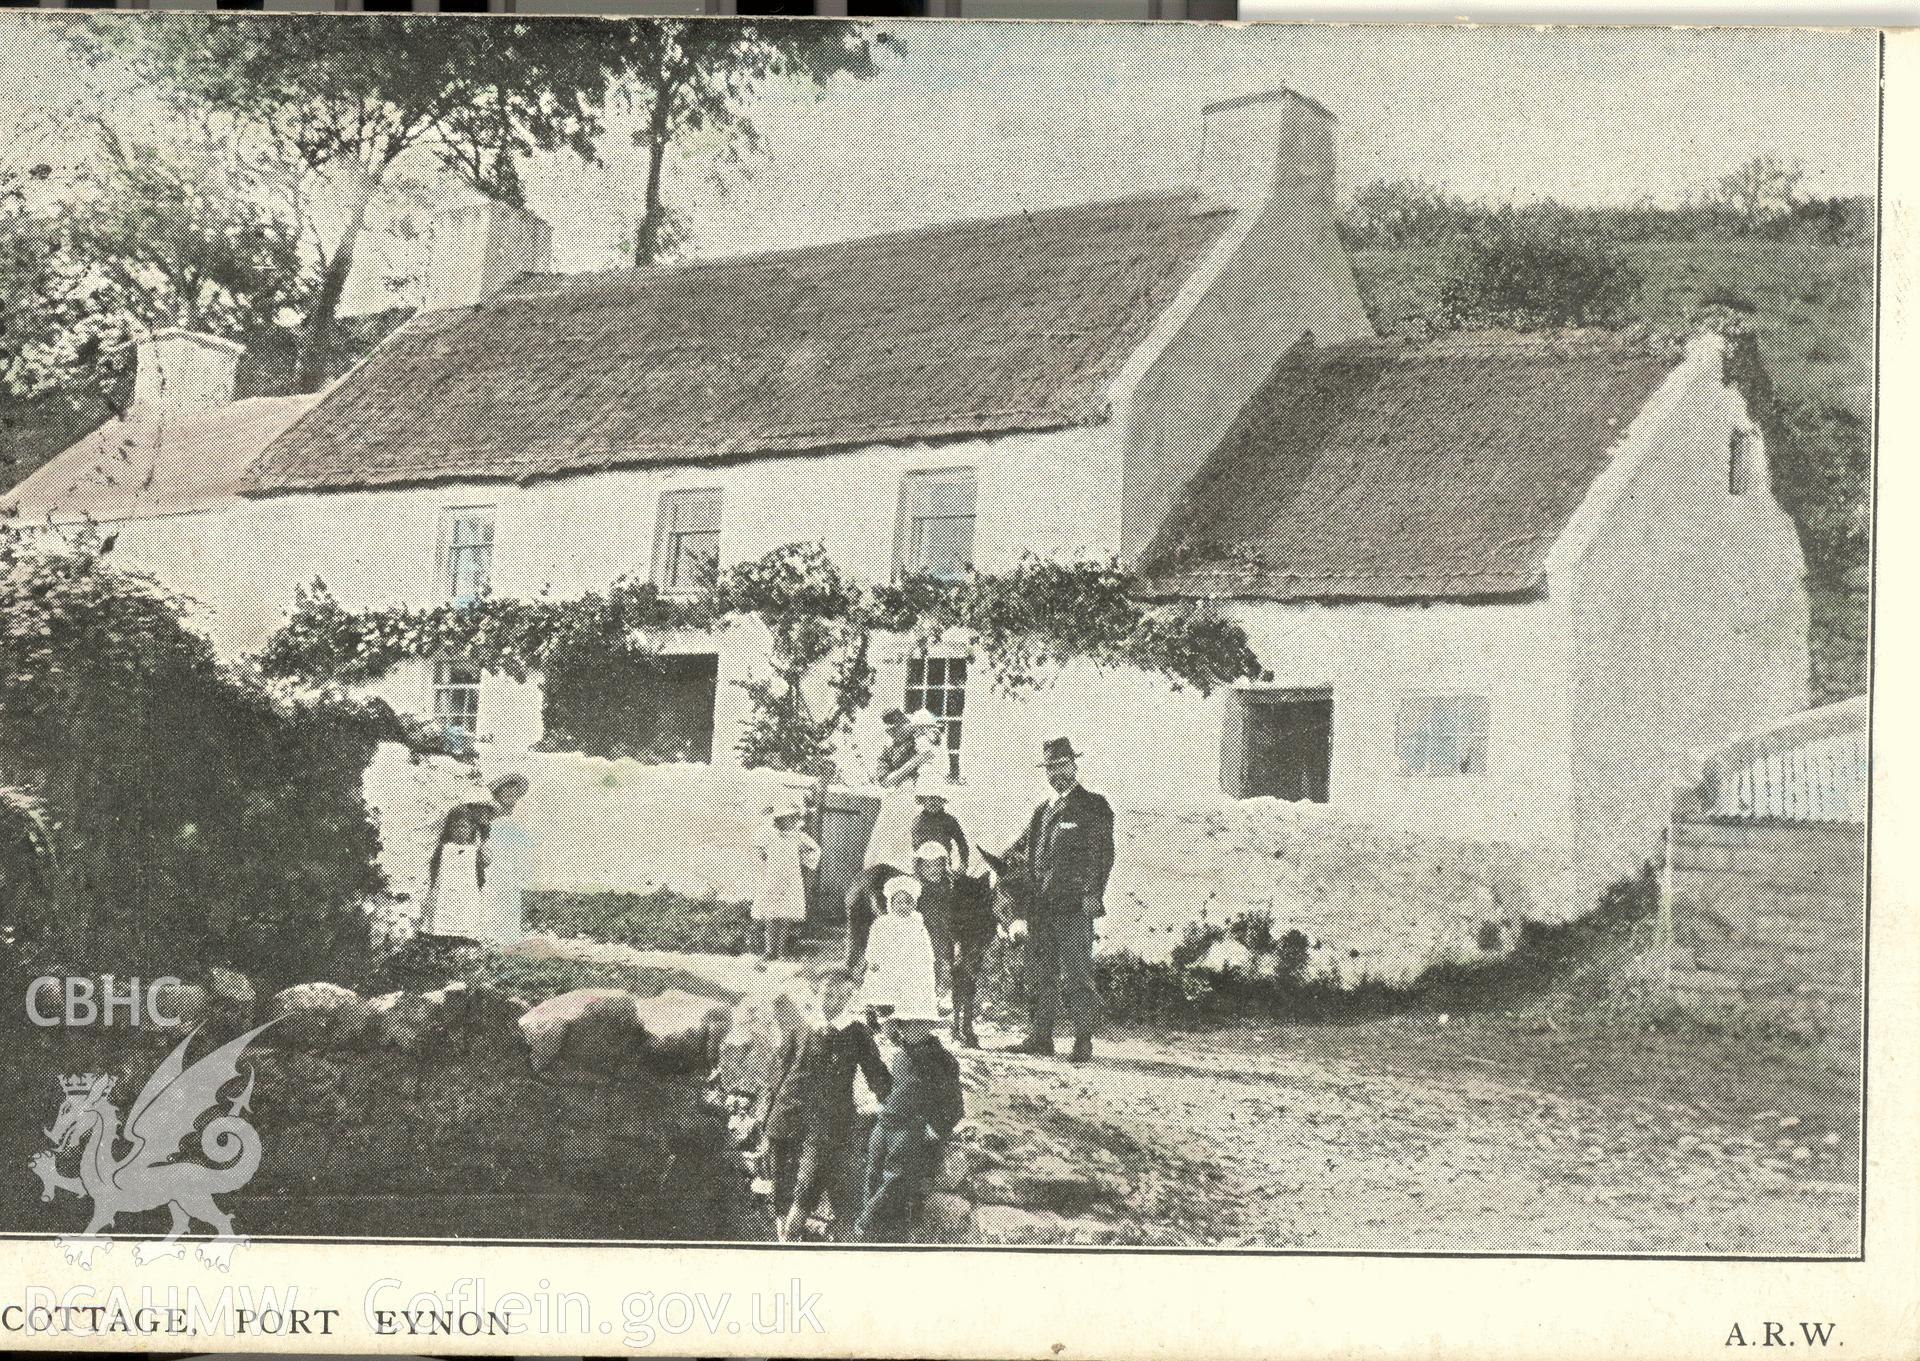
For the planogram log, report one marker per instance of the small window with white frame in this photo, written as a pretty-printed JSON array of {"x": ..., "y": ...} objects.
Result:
[
  {"x": 686, "y": 550},
  {"x": 939, "y": 685},
  {"x": 1442, "y": 735},
  {"x": 936, "y": 524},
  {"x": 456, "y": 702},
  {"x": 466, "y": 553}
]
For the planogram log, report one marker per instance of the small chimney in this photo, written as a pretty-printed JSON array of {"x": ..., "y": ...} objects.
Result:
[
  {"x": 475, "y": 251},
  {"x": 1260, "y": 146},
  {"x": 185, "y": 371}
]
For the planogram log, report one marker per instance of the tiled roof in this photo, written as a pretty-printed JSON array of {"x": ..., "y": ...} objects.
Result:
[
  {"x": 1014, "y": 323},
  {"x": 1406, "y": 470}
]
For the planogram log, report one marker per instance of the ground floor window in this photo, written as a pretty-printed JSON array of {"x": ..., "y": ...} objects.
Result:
[
  {"x": 939, "y": 685},
  {"x": 654, "y": 709},
  {"x": 456, "y": 702},
  {"x": 1442, "y": 735},
  {"x": 1277, "y": 744}
]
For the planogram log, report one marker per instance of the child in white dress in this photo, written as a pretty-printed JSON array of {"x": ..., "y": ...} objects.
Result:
[
  {"x": 457, "y": 874},
  {"x": 786, "y": 854},
  {"x": 899, "y": 964}
]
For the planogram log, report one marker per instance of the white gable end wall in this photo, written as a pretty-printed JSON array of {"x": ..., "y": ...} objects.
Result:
[
  {"x": 1688, "y": 613},
  {"x": 1278, "y": 274}
]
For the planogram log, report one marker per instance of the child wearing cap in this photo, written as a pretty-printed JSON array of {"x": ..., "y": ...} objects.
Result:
[
  {"x": 918, "y": 1116},
  {"x": 936, "y": 824},
  {"x": 811, "y": 1116},
  {"x": 899, "y": 967},
  {"x": 786, "y": 854}
]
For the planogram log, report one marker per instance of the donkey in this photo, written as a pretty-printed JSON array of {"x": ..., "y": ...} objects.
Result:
[{"x": 970, "y": 929}]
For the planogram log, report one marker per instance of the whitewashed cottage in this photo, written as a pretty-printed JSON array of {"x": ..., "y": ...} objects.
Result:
[{"x": 1499, "y": 585}]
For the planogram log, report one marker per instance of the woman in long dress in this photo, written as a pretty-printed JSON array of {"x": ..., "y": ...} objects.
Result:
[
  {"x": 510, "y": 852},
  {"x": 905, "y": 768}
]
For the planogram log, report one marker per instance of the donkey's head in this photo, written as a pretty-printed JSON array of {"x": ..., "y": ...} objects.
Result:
[{"x": 1012, "y": 884}]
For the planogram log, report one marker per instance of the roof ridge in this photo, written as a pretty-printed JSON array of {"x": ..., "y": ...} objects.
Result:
[
  {"x": 562, "y": 281},
  {"x": 1637, "y": 340}
]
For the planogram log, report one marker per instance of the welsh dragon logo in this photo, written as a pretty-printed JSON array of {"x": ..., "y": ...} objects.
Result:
[{"x": 146, "y": 1177}]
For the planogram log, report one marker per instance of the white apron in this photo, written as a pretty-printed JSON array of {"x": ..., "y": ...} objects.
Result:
[{"x": 456, "y": 909}]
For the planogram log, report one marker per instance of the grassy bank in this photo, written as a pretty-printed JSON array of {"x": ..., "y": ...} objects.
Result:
[{"x": 661, "y": 920}]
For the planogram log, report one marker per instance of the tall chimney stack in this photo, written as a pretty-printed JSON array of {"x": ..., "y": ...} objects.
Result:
[
  {"x": 1259, "y": 146},
  {"x": 476, "y": 250},
  {"x": 182, "y": 371}
]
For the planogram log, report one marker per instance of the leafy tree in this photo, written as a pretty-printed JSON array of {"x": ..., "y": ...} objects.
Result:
[
  {"x": 199, "y": 234},
  {"x": 57, "y": 348},
  {"x": 353, "y": 102},
  {"x": 195, "y": 236},
  {"x": 350, "y": 101},
  {"x": 191, "y": 816},
  {"x": 1526, "y": 282},
  {"x": 1763, "y": 189},
  {"x": 688, "y": 76}
]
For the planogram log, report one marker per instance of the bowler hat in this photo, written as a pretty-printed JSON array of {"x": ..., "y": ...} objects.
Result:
[
  {"x": 893, "y": 716},
  {"x": 1057, "y": 749}
]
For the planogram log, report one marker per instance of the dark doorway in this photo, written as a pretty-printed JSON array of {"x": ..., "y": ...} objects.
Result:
[
  {"x": 652, "y": 709},
  {"x": 1277, "y": 744}
]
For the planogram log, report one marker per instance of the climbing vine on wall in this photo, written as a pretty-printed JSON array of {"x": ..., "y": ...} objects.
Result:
[{"x": 1025, "y": 623}]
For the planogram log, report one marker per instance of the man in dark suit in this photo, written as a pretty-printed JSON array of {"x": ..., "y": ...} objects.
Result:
[{"x": 1068, "y": 850}]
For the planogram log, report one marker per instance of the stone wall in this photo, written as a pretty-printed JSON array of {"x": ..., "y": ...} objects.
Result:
[
  {"x": 421, "y": 1115},
  {"x": 1769, "y": 920}
]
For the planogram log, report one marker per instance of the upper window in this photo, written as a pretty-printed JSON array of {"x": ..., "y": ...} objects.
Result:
[
  {"x": 466, "y": 553},
  {"x": 1743, "y": 457},
  {"x": 936, "y": 524},
  {"x": 1442, "y": 735},
  {"x": 686, "y": 551}
]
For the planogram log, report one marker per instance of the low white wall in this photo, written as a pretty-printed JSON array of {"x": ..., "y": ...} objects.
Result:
[
  {"x": 619, "y": 826},
  {"x": 1372, "y": 903}
]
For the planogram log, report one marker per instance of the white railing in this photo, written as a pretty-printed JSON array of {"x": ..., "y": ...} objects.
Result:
[{"x": 1811, "y": 767}]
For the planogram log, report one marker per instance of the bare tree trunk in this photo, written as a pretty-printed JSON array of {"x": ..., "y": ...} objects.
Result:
[
  {"x": 646, "y": 243},
  {"x": 315, "y": 364}
]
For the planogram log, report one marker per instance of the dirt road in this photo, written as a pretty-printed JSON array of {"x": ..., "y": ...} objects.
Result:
[
  {"x": 1545, "y": 1130},
  {"x": 1488, "y": 1135}
]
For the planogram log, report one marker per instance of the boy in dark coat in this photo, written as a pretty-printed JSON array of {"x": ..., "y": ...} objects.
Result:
[
  {"x": 810, "y": 1106},
  {"x": 917, "y": 1119},
  {"x": 936, "y": 823}
]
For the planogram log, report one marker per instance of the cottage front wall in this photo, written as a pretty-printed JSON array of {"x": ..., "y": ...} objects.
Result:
[
  {"x": 1154, "y": 745},
  {"x": 1688, "y": 611},
  {"x": 1394, "y": 872},
  {"x": 1051, "y": 493}
]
